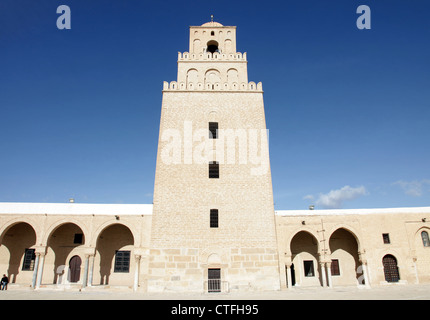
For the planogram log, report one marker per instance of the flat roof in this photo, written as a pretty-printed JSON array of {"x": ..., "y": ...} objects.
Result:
[
  {"x": 75, "y": 208},
  {"x": 339, "y": 212},
  {"x": 146, "y": 209}
]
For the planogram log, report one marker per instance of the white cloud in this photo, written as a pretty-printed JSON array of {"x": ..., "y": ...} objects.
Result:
[
  {"x": 335, "y": 198},
  {"x": 309, "y": 197},
  {"x": 412, "y": 188}
]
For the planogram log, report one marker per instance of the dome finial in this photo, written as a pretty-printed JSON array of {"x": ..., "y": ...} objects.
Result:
[{"x": 212, "y": 18}]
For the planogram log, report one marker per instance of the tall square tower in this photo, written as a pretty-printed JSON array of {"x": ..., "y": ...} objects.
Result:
[{"x": 213, "y": 226}]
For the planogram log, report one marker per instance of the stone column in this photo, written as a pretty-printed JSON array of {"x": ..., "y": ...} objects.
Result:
[
  {"x": 137, "y": 258},
  {"x": 90, "y": 270},
  {"x": 36, "y": 268},
  {"x": 330, "y": 284},
  {"x": 40, "y": 269},
  {"x": 289, "y": 277},
  {"x": 85, "y": 275},
  {"x": 323, "y": 274},
  {"x": 88, "y": 267}
]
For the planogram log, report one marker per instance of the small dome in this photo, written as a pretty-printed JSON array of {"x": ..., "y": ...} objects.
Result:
[{"x": 212, "y": 24}]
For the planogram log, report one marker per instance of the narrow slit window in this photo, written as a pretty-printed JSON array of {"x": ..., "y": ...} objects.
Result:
[
  {"x": 213, "y": 130},
  {"x": 214, "y": 218},
  {"x": 386, "y": 238},
  {"x": 213, "y": 170},
  {"x": 425, "y": 238}
]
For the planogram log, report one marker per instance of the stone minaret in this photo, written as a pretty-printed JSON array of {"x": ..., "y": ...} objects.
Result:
[{"x": 213, "y": 224}]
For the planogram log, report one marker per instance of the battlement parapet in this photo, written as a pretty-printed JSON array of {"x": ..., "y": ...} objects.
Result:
[
  {"x": 218, "y": 86},
  {"x": 207, "y": 56}
]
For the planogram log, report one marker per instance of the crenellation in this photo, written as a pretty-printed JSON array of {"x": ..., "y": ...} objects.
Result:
[
  {"x": 225, "y": 86},
  {"x": 207, "y": 56}
]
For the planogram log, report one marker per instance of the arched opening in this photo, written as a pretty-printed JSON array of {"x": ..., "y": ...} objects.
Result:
[
  {"x": 212, "y": 78},
  {"x": 65, "y": 241},
  {"x": 304, "y": 256},
  {"x": 192, "y": 77},
  {"x": 196, "y": 46},
  {"x": 422, "y": 247},
  {"x": 212, "y": 46},
  {"x": 75, "y": 269},
  {"x": 344, "y": 258},
  {"x": 214, "y": 273},
  {"x": 232, "y": 76},
  {"x": 391, "y": 270},
  {"x": 425, "y": 238},
  {"x": 113, "y": 255},
  {"x": 17, "y": 253}
]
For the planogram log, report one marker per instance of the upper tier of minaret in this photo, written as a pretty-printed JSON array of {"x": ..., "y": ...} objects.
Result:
[
  {"x": 212, "y": 37},
  {"x": 212, "y": 62}
]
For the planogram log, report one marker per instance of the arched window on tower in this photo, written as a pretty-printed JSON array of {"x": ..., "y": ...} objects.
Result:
[
  {"x": 425, "y": 238},
  {"x": 212, "y": 46}
]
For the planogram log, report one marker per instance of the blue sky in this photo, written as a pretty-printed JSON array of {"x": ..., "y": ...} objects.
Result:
[{"x": 348, "y": 110}]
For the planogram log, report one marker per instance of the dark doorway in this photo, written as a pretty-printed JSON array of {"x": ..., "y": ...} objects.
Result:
[
  {"x": 75, "y": 269},
  {"x": 391, "y": 271},
  {"x": 293, "y": 275}
]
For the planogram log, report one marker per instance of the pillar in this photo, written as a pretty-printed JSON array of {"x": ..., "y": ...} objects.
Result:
[
  {"x": 330, "y": 284},
  {"x": 136, "y": 272},
  {"x": 36, "y": 268},
  {"x": 40, "y": 269},
  {"x": 90, "y": 270},
  {"x": 288, "y": 276},
  {"x": 85, "y": 275},
  {"x": 323, "y": 274}
]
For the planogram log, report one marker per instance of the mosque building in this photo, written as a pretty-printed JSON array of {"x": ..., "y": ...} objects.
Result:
[{"x": 212, "y": 226}]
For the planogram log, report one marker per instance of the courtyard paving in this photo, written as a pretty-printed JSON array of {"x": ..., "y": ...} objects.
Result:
[{"x": 389, "y": 292}]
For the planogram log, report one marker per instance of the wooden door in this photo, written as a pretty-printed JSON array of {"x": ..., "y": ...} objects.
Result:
[
  {"x": 391, "y": 271},
  {"x": 75, "y": 269}
]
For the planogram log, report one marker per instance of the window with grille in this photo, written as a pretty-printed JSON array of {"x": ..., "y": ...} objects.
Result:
[
  {"x": 122, "y": 261},
  {"x": 213, "y": 130},
  {"x": 29, "y": 258},
  {"x": 335, "y": 271},
  {"x": 386, "y": 238},
  {"x": 213, "y": 170},
  {"x": 214, "y": 218},
  {"x": 425, "y": 238},
  {"x": 309, "y": 268},
  {"x": 214, "y": 280}
]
